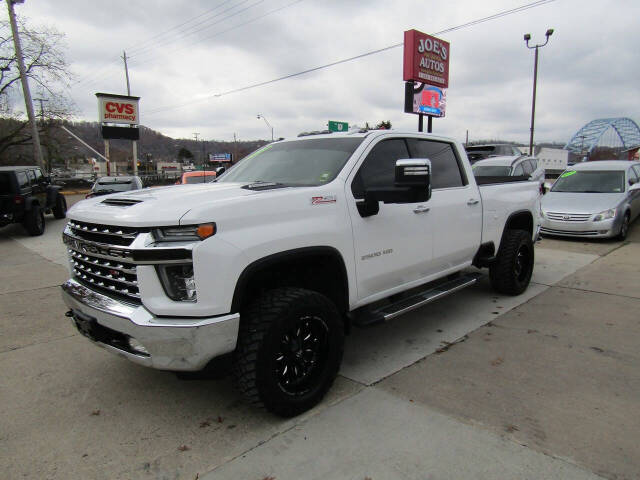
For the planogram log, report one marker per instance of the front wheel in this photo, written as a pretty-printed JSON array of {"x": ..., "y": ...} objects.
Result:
[
  {"x": 34, "y": 221},
  {"x": 60, "y": 208},
  {"x": 624, "y": 228},
  {"x": 512, "y": 270},
  {"x": 289, "y": 350}
]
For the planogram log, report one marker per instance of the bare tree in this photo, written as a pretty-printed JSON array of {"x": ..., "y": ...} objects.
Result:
[{"x": 47, "y": 69}]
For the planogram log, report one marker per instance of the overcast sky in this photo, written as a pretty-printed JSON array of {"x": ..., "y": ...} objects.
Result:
[{"x": 185, "y": 52}]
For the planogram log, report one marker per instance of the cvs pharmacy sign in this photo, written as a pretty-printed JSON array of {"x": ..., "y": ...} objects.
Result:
[{"x": 118, "y": 109}]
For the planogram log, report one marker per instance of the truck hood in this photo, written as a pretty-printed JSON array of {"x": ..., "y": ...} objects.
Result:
[
  {"x": 567, "y": 202},
  {"x": 155, "y": 206}
]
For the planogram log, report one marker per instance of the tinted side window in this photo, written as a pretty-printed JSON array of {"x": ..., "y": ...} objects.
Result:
[
  {"x": 445, "y": 169},
  {"x": 379, "y": 168},
  {"x": 23, "y": 180},
  {"x": 39, "y": 176},
  {"x": 518, "y": 171},
  {"x": 633, "y": 175},
  {"x": 32, "y": 176},
  {"x": 637, "y": 170},
  {"x": 527, "y": 167}
]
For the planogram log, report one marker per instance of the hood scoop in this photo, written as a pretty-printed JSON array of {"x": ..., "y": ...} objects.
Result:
[
  {"x": 120, "y": 202},
  {"x": 258, "y": 186}
]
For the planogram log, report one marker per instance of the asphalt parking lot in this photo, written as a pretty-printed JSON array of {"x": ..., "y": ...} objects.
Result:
[{"x": 544, "y": 385}]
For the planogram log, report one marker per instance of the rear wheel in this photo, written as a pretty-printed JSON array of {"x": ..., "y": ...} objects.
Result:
[
  {"x": 34, "y": 221},
  {"x": 624, "y": 228},
  {"x": 60, "y": 208},
  {"x": 511, "y": 273},
  {"x": 289, "y": 350}
]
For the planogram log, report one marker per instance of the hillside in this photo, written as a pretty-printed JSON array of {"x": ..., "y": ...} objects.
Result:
[{"x": 59, "y": 146}]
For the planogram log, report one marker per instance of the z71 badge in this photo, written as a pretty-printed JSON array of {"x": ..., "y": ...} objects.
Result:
[{"x": 322, "y": 200}]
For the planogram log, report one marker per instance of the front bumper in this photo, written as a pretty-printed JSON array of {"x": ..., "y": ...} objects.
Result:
[
  {"x": 589, "y": 229},
  {"x": 171, "y": 343}
]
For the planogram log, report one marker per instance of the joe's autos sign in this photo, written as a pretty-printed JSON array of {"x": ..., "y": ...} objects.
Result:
[
  {"x": 426, "y": 59},
  {"x": 121, "y": 109}
]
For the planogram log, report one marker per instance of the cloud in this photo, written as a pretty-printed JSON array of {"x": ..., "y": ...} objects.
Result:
[{"x": 588, "y": 70}]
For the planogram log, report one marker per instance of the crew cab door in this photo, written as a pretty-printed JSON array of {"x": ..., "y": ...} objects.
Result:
[
  {"x": 456, "y": 206},
  {"x": 394, "y": 246}
]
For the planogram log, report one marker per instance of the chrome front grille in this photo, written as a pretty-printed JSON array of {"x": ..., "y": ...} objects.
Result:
[
  {"x": 583, "y": 233},
  {"x": 115, "y": 277},
  {"x": 108, "y": 234},
  {"x": 568, "y": 217}
]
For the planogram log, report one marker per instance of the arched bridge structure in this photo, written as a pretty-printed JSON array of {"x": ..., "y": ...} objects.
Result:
[{"x": 621, "y": 134}]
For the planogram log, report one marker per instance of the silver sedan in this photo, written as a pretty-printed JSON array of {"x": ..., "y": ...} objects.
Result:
[{"x": 593, "y": 199}]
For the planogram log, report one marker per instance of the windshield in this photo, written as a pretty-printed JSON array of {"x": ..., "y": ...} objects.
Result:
[
  {"x": 112, "y": 186},
  {"x": 296, "y": 163},
  {"x": 590, "y": 181},
  {"x": 491, "y": 171}
]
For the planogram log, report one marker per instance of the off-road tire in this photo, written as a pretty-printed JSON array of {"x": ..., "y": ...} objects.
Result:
[
  {"x": 624, "y": 227},
  {"x": 511, "y": 272},
  {"x": 60, "y": 208},
  {"x": 264, "y": 325},
  {"x": 34, "y": 221}
]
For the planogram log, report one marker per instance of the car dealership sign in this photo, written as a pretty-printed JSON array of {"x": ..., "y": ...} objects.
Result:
[
  {"x": 119, "y": 109},
  {"x": 426, "y": 59}
]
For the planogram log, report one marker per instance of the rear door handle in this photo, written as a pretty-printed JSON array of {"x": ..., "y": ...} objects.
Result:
[
  {"x": 421, "y": 209},
  {"x": 473, "y": 201}
]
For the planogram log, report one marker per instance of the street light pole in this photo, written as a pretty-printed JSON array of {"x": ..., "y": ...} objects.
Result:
[
  {"x": 527, "y": 37},
  {"x": 260, "y": 116}
]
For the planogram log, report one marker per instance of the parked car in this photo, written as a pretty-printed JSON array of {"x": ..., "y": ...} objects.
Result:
[
  {"x": 593, "y": 199},
  {"x": 197, "y": 176},
  {"x": 479, "y": 152},
  {"x": 26, "y": 195},
  {"x": 510, "y": 166},
  {"x": 113, "y": 184},
  {"x": 276, "y": 260}
]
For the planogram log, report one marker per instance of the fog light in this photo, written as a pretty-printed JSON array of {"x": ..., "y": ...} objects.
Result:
[
  {"x": 136, "y": 346},
  {"x": 178, "y": 282}
]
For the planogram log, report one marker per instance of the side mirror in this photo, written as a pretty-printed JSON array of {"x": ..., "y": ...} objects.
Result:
[
  {"x": 220, "y": 171},
  {"x": 414, "y": 173},
  {"x": 635, "y": 187},
  {"x": 412, "y": 184}
]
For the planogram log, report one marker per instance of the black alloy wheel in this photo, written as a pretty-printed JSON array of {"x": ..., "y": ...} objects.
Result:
[
  {"x": 303, "y": 351},
  {"x": 513, "y": 267},
  {"x": 289, "y": 350},
  {"x": 624, "y": 228}
]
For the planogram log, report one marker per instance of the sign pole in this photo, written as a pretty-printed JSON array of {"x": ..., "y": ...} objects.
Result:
[
  {"x": 429, "y": 123},
  {"x": 420, "y": 123},
  {"x": 106, "y": 154}
]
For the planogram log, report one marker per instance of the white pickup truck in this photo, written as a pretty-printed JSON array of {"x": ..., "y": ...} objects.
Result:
[{"x": 275, "y": 261}]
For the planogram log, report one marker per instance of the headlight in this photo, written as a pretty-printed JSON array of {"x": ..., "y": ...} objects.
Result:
[
  {"x": 184, "y": 233},
  {"x": 178, "y": 282},
  {"x": 604, "y": 215}
]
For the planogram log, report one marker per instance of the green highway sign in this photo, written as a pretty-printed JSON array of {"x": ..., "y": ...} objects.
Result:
[{"x": 338, "y": 126}]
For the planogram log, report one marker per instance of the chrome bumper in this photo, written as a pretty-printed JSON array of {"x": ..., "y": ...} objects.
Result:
[{"x": 180, "y": 344}]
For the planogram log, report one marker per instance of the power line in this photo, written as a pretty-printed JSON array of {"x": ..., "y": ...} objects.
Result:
[
  {"x": 259, "y": 17},
  {"x": 95, "y": 76},
  {"x": 345, "y": 60},
  {"x": 191, "y": 32}
]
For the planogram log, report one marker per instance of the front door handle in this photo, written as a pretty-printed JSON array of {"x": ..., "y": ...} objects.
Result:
[
  {"x": 473, "y": 201},
  {"x": 421, "y": 209}
]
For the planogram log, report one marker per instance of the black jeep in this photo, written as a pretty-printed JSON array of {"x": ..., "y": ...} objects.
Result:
[{"x": 26, "y": 195}]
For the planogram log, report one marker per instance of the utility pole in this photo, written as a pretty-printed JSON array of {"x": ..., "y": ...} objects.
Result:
[
  {"x": 195, "y": 136},
  {"x": 135, "y": 143},
  {"x": 25, "y": 84},
  {"x": 44, "y": 132},
  {"x": 235, "y": 149}
]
